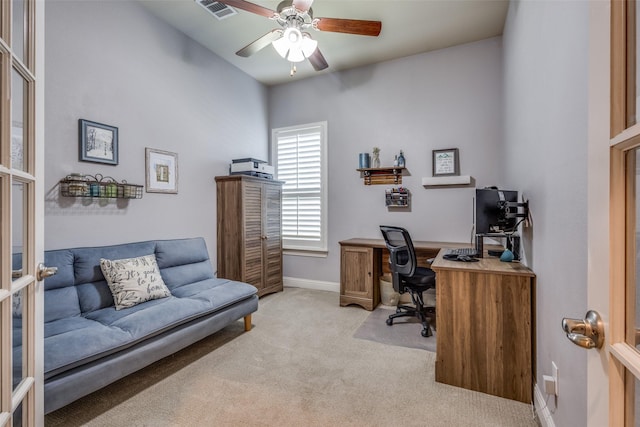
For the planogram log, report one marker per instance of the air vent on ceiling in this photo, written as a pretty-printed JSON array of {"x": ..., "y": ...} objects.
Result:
[{"x": 217, "y": 9}]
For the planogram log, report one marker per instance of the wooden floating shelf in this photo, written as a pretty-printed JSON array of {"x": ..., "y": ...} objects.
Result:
[{"x": 384, "y": 176}]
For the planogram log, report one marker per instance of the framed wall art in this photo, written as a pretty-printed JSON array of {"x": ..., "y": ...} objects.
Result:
[
  {"x": 161, "y": 171},
  {"x": 446, "y": 162},
  {"x": 98, "y": 142}
]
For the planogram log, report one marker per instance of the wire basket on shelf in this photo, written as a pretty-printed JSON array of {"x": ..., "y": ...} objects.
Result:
[{"x": 98, "y": 186}]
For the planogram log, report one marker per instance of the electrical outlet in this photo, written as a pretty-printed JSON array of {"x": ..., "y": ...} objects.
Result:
[{"x": 554, "y": 375}]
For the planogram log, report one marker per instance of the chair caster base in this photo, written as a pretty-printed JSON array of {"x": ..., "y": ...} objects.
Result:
[
  {"x": 389, "y": 322},
  {"x": 426, "y": 332}
]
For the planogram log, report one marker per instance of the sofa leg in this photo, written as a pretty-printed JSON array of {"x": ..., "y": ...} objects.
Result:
[{"x": 247, "y": 322}]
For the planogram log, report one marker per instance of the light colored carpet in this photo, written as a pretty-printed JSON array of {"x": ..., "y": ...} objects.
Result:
[
  {"x": 405, "y": 331},
  {"x": 299, "y": 366}
]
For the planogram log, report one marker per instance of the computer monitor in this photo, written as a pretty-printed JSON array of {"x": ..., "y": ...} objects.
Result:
[{"x": 496, "y": 211}]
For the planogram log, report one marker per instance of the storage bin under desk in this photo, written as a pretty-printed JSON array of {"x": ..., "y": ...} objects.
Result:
[{"x": 485, "y": 321}]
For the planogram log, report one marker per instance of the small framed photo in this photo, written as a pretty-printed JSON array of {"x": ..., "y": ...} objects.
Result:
[
  {"x": 98, "y": 142},
  {"x": 161, "y": 171},
  {"x": 446, "y": 162}
]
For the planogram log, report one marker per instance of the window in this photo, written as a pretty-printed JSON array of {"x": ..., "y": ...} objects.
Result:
[{"x": 300, "y": 157}]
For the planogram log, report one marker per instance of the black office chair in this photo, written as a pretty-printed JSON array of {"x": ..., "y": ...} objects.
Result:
[{"x": 407, "y": 276}]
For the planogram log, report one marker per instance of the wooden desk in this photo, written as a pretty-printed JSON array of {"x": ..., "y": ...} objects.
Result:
[
  {"x": 485, "y": 324},
  {"x": 363, "y": 261}
]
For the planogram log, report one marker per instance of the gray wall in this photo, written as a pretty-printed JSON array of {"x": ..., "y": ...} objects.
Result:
[
  {"x": 114, "y": 63},
  {"x": 545, "y": 134},
  {"x": 444, "y": 99}
]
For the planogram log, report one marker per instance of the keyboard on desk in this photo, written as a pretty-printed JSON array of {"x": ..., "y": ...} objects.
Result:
[{"x": 462, "y": 252}]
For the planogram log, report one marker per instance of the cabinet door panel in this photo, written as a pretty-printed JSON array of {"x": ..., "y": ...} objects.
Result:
[
  {"x": 357, "y": 272},
  {"x": 253, "y": 258},
  {"x": 273, "y": 242}
]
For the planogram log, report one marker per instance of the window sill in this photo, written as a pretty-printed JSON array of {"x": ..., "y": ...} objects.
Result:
[{"x": 305, "y": 252}]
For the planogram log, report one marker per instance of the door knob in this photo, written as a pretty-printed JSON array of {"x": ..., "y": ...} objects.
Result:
[
  {"x": 587, "y": 332},
  {"x": 43, "y": 271}
]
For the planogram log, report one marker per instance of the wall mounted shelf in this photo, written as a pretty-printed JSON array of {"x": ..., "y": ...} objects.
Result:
[
  {"x": 385, "y": 175},
  {"x": 98, "y": 186},
  {"x": 438, "y": 181},
  {"x": 397, "y": 197}
]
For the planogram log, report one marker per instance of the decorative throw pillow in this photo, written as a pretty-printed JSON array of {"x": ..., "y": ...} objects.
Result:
[{"x": 134, "y": 280}]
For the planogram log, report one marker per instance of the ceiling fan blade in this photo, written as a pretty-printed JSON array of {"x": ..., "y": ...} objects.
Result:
[
  {"x": 249, "y": 7},
  {"x": 260, "y": 44},
  {"x": 349, "y": 26},
  {"x": 317, "y": 60},
  {"x": 302, "y": 5}
]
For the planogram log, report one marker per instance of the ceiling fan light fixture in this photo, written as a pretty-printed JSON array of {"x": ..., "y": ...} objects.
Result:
[
  {"x": 281, "y": 46},
  {"x": 295, "y": 55},
  {"x": 294, "y": 46},
  {"x": 309, "y": 45}
]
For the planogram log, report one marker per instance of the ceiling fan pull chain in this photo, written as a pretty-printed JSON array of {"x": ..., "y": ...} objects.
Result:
[{"x": 293, "y": 69}]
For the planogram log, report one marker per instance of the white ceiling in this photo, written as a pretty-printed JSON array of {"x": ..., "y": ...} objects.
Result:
[{"x": 409, "y": 27}]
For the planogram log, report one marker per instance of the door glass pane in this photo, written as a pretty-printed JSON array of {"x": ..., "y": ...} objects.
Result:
[
  {"x": 17, "y": 228},
  {"x": 18, "y": 200},
  {"x": 18, "y": 303},
  {"x": 18, "y": 416},
  {"x": 18, "y": 91},
  {"x": 17, "y": 32}
]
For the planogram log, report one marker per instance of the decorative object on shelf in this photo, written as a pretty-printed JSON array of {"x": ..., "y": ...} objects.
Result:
[
  {"x": 396, "y": 197},
  {"x": 98, "y": 142},
  {"x": 161, "y": 171},
  {"x": 446, "y": 162},
  {"x": 376, "y": 157},
  {"x": 389, "y": 175},
  {"x": 98, "y": 186},
  {"x": 401, "y": 161},
  {"x": 363, "y": 160}
]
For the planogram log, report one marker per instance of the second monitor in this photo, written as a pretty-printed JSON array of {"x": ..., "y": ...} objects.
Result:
[{"x": 495, "y": 211}]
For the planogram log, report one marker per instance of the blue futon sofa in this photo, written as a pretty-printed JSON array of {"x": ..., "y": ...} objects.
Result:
[{"x": 89, "y": 344}]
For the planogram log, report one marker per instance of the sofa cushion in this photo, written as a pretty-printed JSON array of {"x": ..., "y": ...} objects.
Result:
[
  {"x": 74, "y": 341},
  {"x": 170, "y": 253},
  {"x": 61, "y": 303},
  {"x": 87, "y": 260},
  {"x": 94, "y": 296},
  {"x": 152, "y": 317},
  {"x": 181, "y": 275},
  {"x": 217, "y": 293},
  {"x": 63, "y": 260},
  {"x": 134, "y": 280}
]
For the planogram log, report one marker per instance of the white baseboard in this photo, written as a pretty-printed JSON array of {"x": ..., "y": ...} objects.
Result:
[
  {"x": 542, "y": 409},
  {"x": 319, "y": 285}
]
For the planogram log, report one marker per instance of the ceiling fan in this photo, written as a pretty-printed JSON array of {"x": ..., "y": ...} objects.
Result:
[{"x": 292, "y": 41}]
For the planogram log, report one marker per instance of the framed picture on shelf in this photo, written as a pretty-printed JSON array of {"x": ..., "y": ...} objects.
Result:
[
  {"x": 446, "y": 162},
  {"x": 98, "y": 142},
  {"x": 161, "y": 171}
]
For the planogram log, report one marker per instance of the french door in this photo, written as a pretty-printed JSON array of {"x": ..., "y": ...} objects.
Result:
[
  {"x": 21, "y": 211},
  {"x": 624, "y": 195}
]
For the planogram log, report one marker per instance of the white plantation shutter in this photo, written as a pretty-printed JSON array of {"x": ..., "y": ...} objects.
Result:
[{"x": 299, "y": 155}]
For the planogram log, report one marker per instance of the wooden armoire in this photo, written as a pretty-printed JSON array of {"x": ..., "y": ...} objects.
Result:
[{"x": 250, "y": 231}]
